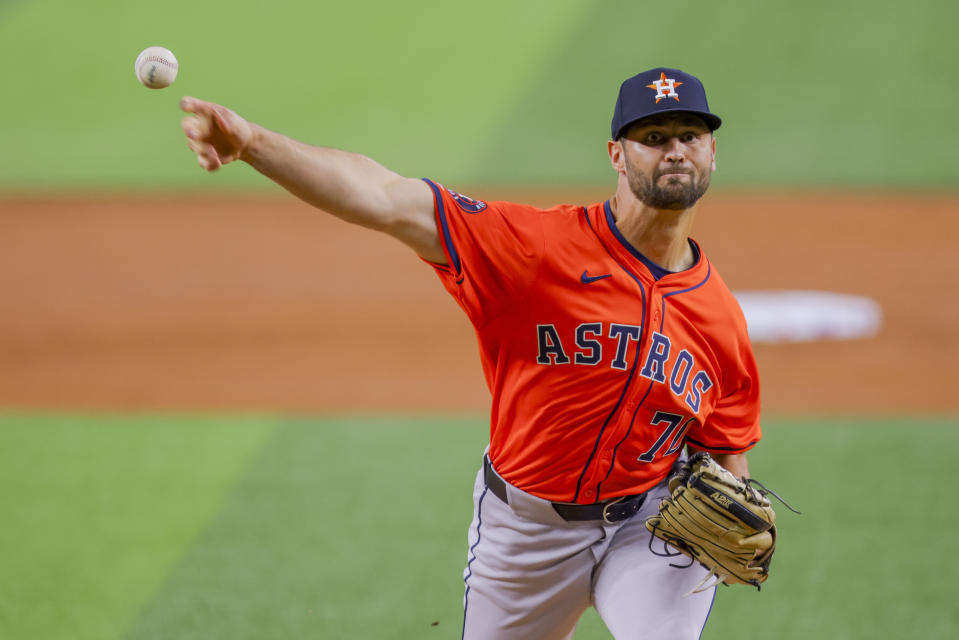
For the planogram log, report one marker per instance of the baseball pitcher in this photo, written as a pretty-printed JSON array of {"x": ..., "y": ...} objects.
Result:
[{"x": 624, "y": 389}]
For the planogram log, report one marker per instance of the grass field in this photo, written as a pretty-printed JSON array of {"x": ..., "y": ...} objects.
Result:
[
  {"x": 520, "y": 93},
  {"x": 348, "y": 527}
]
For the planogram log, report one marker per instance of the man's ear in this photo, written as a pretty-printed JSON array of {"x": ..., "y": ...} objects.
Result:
[
  {"x": 617, "y": 156},
  {"x": 714, "y": 153}
]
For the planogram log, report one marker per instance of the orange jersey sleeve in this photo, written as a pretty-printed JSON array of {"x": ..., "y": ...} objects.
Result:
[{"x": 493, "y": 250}]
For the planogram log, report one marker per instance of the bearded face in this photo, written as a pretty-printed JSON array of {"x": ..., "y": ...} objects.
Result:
[
  {"x": 668, "y": 160},
  {"x": 671, "y": 188}
]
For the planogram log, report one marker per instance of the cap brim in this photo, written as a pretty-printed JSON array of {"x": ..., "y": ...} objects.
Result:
[{"x": 712, "y": 121}]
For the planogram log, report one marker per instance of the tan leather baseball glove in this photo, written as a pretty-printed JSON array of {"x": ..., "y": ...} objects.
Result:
[{"x": 717, "y": 519}]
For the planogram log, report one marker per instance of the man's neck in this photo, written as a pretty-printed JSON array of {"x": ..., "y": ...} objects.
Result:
[{"x": 660, "y": 235}]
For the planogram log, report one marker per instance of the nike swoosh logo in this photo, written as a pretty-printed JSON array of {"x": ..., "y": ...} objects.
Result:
[{"x": 586, "y": 278}]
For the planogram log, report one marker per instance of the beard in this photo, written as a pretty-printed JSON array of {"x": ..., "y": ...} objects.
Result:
[{"x": 675, "y": 196}]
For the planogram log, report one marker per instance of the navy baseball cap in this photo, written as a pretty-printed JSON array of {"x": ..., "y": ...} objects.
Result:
[{"x": 660, "y": 90}]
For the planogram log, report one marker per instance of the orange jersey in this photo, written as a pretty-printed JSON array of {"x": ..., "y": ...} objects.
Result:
[{"x": 599, "y": 371}]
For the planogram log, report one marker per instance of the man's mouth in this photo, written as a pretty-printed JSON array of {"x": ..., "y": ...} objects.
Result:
[{"x": 674, "y": 175}]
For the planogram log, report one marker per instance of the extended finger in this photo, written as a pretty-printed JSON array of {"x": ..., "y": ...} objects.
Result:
[
  {"x": 188, "y": 104},
  {"x": 200, "y": 148},
  {"x": 209, "y": 163},
  {"x": 206, "y": 155},
  {"x": 199, "y": 107},
  {"x": 195, "y": 127}
]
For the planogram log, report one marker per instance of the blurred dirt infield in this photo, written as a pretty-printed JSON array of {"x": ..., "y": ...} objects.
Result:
[{"x": 262, "y": 303}]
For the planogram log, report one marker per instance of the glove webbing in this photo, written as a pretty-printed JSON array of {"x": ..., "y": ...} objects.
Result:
[{"x": 725, "y": 502}]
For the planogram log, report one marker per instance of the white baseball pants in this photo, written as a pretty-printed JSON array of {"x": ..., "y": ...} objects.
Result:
[{"x": 530, "y": 574}]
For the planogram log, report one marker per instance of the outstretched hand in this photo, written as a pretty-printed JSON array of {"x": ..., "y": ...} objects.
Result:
[{"x": 216, "y": 135}]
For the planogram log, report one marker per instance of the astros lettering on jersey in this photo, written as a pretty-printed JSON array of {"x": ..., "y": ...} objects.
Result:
[{"x": 601, "y": 366}]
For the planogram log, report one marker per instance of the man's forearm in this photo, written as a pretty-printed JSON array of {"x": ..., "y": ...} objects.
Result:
[
  {"x": 350, "y": 186},
  {"x": 735, "y": 463}
]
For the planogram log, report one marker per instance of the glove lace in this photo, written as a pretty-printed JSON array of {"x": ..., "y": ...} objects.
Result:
[
  {"x": 666, "y": 553},
  {"x": 764, "y": 491}
]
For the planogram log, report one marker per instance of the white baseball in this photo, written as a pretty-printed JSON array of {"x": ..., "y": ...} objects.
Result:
[{"x": 156, "y": 67}]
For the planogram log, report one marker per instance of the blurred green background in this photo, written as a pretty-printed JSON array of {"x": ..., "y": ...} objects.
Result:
[
  {"x": 501, "y": 92},
  {"x": 249, "y": 526}
]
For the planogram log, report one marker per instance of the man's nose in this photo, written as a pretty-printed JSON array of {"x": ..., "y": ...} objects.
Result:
[{"x": 675, "y": 150}]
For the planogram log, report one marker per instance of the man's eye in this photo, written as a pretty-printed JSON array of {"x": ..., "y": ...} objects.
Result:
[
  {"x": 654, "y": 138},
  {"x": 689, "y": 136}
]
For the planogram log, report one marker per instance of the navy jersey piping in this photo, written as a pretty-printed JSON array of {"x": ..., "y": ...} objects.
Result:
[
  {"x": 656, "y": 270},
  {"x": 662, "y": 320},
  {"x": 709, "y": 270},
  {"x": 706, "y": 447},
  {"x": 629, "y": 379},
  {"x": 444, "y": 223},
  {"x": 632, "y": 421}
]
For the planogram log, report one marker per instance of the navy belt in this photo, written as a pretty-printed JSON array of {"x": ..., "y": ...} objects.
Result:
[{"x": 613, "y": 511}]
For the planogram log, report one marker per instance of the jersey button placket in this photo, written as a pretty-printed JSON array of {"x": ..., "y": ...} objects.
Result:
[
  {"x": 655, "y": 303},
  {"x": 606, "y": 460}
]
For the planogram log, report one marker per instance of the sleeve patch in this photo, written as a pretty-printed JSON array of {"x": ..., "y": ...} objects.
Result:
[{"x": 467, "y": 204}]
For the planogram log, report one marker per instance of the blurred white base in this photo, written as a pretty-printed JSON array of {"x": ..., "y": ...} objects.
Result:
[{"x": 802, "y": 316}]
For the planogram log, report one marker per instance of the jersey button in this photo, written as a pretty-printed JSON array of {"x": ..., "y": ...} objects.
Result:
[{"x": 590, "y": 493}]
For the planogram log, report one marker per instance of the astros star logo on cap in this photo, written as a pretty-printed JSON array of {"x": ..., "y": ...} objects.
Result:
[{"x": 665, "y": 88}]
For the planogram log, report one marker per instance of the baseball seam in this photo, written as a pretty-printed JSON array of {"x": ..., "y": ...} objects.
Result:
[{"x": 162, "y": 61}]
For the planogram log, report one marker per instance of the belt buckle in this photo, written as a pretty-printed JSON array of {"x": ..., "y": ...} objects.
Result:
[{"x": 606, "y": 510}]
